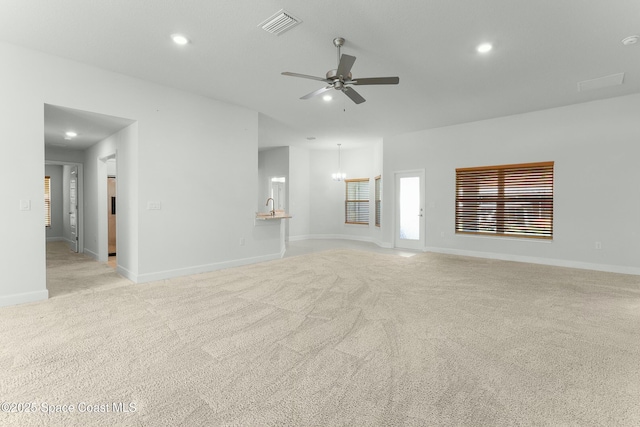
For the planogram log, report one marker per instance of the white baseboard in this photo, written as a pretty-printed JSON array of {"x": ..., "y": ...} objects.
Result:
[
  {"x": 383, "y": 244},
  {"x": 91, "y": 254},
  {"x": 126, "y": 273},
  {"x": 56, "y": 239},
  {"x": 341, "y": 237},
  {"x": 536, "y": 260},
  {"x": 7, "y": 300},
  {"x": 168, "y": 274},
  {"x": 490, "y": 255}
]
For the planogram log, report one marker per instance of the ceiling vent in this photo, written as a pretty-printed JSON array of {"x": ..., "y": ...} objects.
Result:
[
  {"x": 601, "y": 82},
  {"x": 279, "y": 23}
]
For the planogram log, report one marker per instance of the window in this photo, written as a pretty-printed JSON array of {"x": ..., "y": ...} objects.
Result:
[
  {"x": 356, "y": 205},
  {"x": 378, "y": 196},
  {"x": 508, "y": 200},
  {"x": 47, "y": 201}
]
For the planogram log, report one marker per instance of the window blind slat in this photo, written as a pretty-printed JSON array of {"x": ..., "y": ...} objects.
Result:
[
  {"x": 357, "y": 201},
  {"x": 47, "y": 201},
  {"x": 512, "y": 200}
]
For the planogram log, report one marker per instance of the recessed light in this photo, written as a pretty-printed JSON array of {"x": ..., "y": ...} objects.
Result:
[
  {"x": 327, "y": 98},
  {"x": 484, "y": 47},
  {"x": 627, "y": 41},
  {"x": 179, "y": 39},
  {"x": 71, "y": 134}
]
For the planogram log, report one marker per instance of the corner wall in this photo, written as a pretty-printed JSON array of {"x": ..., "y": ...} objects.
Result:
[{"x": 595, "y": 147}]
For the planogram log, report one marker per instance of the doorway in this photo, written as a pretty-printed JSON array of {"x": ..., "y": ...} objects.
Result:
[
  {"x": 69, "y": 210},
  {"x": 90, "y": 140},
  {"x": 111, "y": 220},
  {"x": 409, "y": 215},
  {"x": 107, "y": 207}
]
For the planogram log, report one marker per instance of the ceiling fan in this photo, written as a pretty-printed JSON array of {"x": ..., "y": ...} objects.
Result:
[{"x": 341, "y": 78}]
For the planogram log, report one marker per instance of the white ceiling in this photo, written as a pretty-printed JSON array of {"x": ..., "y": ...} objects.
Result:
[
  {"x": 89, "y": 127},
  {"x": 542, "y": 49}
]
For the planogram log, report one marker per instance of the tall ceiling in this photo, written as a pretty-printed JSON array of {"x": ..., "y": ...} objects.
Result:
[{"x": 542, "y": 49}]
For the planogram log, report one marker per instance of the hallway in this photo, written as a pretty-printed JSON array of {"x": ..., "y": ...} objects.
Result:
[{"x": 69, "y": 272}]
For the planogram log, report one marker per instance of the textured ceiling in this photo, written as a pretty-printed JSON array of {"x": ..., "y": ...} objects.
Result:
[{"x": 542, "y": 48}]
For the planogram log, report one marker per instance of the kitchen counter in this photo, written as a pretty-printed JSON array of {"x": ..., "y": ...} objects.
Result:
[{"x": 264, "y": 216}]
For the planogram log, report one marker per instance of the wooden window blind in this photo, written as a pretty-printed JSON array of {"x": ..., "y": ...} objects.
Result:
[
  {"x": 507, "y": 200},
  {"x": 47, "y": 201},
  {"x": 378, "y": 198},
  {"x": 356, "y": 205}
]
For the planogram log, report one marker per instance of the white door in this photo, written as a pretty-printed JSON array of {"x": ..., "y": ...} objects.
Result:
[
  {"x": 73, "y": 207},
  {"x": 409, "y": 227}
]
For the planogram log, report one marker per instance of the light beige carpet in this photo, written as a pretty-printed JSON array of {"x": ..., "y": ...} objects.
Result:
[{"x": 329, "y": 339}]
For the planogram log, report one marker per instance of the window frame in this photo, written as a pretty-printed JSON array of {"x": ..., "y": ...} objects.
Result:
[
  {"x": 359, "y": 202},
  {"x": 523, "y": 196}
]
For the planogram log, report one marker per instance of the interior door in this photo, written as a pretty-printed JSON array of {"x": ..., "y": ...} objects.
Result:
[
  {"x": 111, "y": 214},
  {"x": 73, "y": 207},
  {"x": 410, "y": 221}
]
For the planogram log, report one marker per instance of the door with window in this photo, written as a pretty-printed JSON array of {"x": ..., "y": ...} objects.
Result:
[{"x": 409, "y": 201}]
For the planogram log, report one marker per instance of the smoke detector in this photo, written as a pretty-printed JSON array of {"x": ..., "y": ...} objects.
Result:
[{"x": 280, "y": 22}]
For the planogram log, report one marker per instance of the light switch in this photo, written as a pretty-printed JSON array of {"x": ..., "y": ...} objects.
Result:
[
  {"x": 25, "y": 205},
  {"x": 154, "y": 206}
]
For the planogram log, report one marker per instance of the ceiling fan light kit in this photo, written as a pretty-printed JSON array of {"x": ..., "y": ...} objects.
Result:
[{"x": 341, "y": 78}]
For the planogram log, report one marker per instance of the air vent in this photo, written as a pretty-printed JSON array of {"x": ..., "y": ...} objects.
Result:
[
  {"x": 279, "y": 23},
  {"x": 599, "y": 83}
]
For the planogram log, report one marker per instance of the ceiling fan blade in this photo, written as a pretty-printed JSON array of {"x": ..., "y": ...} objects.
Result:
[
  {"x": 344, "y": 67},
  {"x": 377, "y": 81},
  {"x": 355, "y": 96},
  {"x": 317, "y": 92},
  {"x": 304, "y": 76}
]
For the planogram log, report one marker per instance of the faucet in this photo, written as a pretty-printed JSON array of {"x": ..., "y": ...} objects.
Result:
[{"x": 273, "y": 205}]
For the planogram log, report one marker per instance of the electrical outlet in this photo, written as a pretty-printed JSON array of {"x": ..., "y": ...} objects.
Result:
[
  {"x": 242, "y": 241},
  {"x": 598, "y": 245}
]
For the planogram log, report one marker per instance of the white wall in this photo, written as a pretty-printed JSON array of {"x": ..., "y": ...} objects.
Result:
[
  {"x": 111, "y": 168},
  {"x": 62, "y": 155},
  {"x": 206, "y": 142},
  {"x": 299, "y": 195},
  {"x": 596, "y": 150},
  {"x": 56, "y": 231},
  {"x": 272, "y": 162}
]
